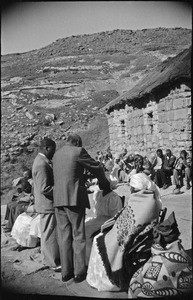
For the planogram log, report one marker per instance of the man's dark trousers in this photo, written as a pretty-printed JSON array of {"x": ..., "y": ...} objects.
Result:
[
  {"x": 163, "y": 177},
  {"x": 71, "y": 235}
]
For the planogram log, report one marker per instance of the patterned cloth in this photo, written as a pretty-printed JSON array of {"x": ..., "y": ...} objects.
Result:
[
  {"x": 105, "y": 270},
  {"x": 167, "y": 273}
]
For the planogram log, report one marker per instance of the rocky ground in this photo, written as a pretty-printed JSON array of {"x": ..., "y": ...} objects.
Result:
[
  {"x": 24, "y": 276},
  {"x": 64, "y": 86}
]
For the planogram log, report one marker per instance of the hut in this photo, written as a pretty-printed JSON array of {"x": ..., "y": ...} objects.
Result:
[{"x": 156, "y": 113}]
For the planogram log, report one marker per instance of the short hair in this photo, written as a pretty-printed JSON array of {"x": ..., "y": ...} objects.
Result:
[
  {"x": 159, "y": 150},
  {"x": 25, "y": 169},
  {"x": 168, "y": 150},
  {"x": 184, "y": 152},
  {"x": 46, "y": 142},
  {"x": 75, "y": 139}
]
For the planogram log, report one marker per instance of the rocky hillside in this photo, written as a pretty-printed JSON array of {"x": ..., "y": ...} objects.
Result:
[{"x": 64, "y": 86}]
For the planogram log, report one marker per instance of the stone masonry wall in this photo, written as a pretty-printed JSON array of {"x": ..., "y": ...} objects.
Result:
[{"x": 166, "y": 124}]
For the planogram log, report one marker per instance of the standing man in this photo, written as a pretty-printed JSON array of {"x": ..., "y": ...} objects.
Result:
[
  {"x": 70, "y": 201},
  {"x": 182, "y": 168},
  {"x": 157, "y": 162},
  {"x": 162, "y": 177},
  {"x": 42, "y": 173}
]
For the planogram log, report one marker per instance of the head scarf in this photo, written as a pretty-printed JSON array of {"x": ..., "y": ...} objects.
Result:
[{"x": 141, "y": 181}]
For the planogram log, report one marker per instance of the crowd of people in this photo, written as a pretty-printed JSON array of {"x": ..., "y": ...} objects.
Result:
[
  {"x": 160, "y": 167},
  {"x": 48, "y": 207}
]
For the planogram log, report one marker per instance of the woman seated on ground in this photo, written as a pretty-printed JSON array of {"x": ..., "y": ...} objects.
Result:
[
  {"x": 105, "y": 269},
  {"x": 19, "y": 203},
  {"x": 106, "y": 205},
  {"x": 26, "y": 229}
]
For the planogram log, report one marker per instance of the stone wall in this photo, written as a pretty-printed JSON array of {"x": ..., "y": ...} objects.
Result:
[{"x": 164, "y": 124}]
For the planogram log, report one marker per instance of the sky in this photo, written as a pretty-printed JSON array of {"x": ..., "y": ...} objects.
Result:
[{"x": 28, "y": 26}]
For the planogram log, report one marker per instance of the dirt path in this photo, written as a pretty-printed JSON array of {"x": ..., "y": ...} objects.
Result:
[{"x": 22, "y": 275}]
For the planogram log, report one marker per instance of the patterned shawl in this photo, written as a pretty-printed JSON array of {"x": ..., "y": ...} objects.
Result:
[{"x": 134, "y": 219}]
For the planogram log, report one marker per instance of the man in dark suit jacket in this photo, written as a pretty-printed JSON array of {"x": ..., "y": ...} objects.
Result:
[
  {"x": 42, "y": 173},
  {"x": 70, "y": 202}
]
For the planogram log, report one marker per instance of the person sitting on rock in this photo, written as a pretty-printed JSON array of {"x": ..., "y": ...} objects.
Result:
[
  {"x": 27, "y": 173},
  {"x": 26, "y": 229},
  {"x": 182, "y": 168},
  {"x": 19, "y": 203}
]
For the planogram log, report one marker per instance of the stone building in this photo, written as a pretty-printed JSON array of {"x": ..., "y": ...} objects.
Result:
[{"x": 156, "y": 113}]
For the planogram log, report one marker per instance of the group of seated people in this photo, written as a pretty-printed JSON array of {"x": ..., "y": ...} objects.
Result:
[
  {"x": 119, "y": 169},
  {"x": 115, "y": 226},
  {"x": 160, "y": 167}
]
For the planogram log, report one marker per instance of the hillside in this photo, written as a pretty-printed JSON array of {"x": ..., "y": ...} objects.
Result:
[{"x": 64, "y": 86}]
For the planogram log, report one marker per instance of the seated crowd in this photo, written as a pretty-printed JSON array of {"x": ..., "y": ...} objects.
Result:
[
  {"x": 124, "y": 223},
  {"x": 160, "y": 167}
]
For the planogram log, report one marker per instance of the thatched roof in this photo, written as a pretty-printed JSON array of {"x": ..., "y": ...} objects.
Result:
[{"x": 166, "y": 75}]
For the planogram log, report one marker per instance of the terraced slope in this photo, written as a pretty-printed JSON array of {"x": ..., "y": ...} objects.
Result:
[{"x": 64, "y": 86}]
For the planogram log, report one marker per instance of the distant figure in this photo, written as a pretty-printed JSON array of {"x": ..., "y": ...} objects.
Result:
[
  {"x": 123, "y": 153},
  {"x": 42, "y": 173},
  {"x": 163, "y": 175},
  {"x": 27, "y": 173},
  {"x": 108, "y": 162},
  {"x": 157, "y": 162},
  {"x": 70, "y": 201},
  {"x": 18, "y": 204},
  {"x": 182, "y": 168}
]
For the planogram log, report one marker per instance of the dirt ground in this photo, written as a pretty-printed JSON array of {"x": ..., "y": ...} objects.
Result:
[{"x": 22, "y": 276}]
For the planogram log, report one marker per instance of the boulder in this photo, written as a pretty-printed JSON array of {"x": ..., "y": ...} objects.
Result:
[
  {"x": 29, "y": 116},
  {"x": 50, "y": 117},
  {"x": 19, "y": 107},
  {"x": 60, "y": 122}
]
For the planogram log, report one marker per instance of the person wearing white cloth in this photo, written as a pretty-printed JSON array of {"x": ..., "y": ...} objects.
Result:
[
  {"x": 105, "y": 207},
  {"x": 105, "y": 270},
  {"x": 26, "y": 229}
]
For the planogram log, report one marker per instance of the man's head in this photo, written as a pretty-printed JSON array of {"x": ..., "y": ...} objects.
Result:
[
  {"x": 48, "y": 147},
  {"x": 27, "y": 173},
  {"x": 183, "y": 154},
  {"x": 74, "y": 139},
  {"x": 159, "y": 152},
  {"x": 168, "y": 153},
  {"x": 25, "y": 186},
  {"x": 124, "y": 152},
  {"x": 138, "y": 159},
  {"x": 121, "y": 164}
]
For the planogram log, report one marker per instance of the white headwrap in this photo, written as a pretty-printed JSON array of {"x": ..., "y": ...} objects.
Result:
[{"x": 141, "y": 181}]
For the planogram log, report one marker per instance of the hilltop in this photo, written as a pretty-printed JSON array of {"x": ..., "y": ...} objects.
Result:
[{"x": 64, "y": 86}]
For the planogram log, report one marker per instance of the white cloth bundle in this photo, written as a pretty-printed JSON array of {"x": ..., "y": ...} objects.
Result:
[{"x": 141, "y": 181}]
